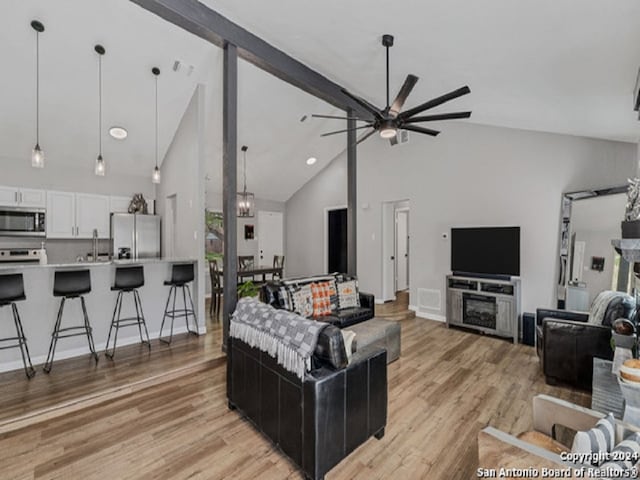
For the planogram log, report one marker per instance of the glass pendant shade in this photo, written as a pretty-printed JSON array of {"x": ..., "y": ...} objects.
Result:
[
  {"x": 246, "y": 204},
  {"x": 37, "y": 157},
  {"x": 101, "y": 168},
  {"x": 155, "y": 176}
]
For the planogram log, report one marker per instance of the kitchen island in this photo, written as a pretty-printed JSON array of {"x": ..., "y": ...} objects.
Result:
[{"x": 38, "y": 312}]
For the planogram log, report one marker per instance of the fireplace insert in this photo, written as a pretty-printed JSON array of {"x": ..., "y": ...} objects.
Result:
[{"x": 479, "y": 310}]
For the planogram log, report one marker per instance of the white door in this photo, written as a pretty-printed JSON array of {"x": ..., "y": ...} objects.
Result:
[
  {"x": 578, "y": 261},
  {"x": 270, "y": 237},
  {"x": 30, "y": 197},
  {"x": 61, "y": 214},
  {"x": 92, "y": 212},
  {"x": 402, "y": 250},
  {"x": 8, "y": 196}
]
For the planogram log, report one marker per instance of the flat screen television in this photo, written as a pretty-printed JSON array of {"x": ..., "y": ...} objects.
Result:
[{"x": 490, "y": 251}]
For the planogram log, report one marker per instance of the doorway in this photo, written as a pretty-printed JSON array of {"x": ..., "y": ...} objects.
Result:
[
  {"x": 270, "y": 236},
  {"x": 395, "y": 248},
  {"x": 336, "y": 239}
]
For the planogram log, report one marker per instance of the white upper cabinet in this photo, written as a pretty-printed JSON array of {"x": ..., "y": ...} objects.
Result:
[
  {"x": 76, "y": 215},
  {"x": 22, "y": 197},
  {"x": 61, "y": 215},
  {"x": 119, "y": 204},
  {"x": 30, "y": 197},
  {"x": 92, "y": 212}
]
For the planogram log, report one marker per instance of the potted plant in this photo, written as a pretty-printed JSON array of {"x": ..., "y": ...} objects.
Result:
[{"x": 248, "y": 289}]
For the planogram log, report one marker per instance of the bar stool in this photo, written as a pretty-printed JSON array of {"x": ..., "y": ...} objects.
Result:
[
  {"x": 181, "y": 275},
  {"x": 11, "y": 291},
  {"x": 70, "y": 284},
  {"x": 128, "y": 280}
]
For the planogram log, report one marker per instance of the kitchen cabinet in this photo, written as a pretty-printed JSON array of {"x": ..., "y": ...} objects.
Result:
[
  {"x": 75, "y": 215},
  {"x": 22, "y": 197},
  {"x": 119, "y": 204}
]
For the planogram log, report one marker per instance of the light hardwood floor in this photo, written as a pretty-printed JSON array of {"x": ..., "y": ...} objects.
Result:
[{"x": 445, "y": 387}]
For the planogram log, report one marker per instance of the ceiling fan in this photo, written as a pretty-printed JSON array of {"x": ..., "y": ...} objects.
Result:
[{"x": 389, "y": 120}]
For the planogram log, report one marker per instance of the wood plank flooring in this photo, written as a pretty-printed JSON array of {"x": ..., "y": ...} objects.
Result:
[{"x": 446, "y": 386}]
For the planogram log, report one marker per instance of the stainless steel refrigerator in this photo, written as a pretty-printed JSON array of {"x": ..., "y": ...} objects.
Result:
[{"x": 135, "y": 236}]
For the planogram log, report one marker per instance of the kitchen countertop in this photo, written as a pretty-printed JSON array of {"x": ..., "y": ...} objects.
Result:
[{"x": 141, "y": 261}]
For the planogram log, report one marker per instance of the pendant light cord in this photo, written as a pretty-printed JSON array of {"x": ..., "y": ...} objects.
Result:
[
  {"x": 100, "y": 104},
  {"x": 37, "y": 88},
  {"x": 244, "y": 189},
  {"x": 156, "y": 121},
  {"x": 388, "y": 77}
]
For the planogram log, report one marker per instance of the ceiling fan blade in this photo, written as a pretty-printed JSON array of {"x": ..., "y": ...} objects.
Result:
[
  {"x": 426, "y": 131},
  {"x": 345, "y": 130},
  {"x": 366, "y": 136},
  {"x": 363, "y": 103},
  {"x": 435, "y": 102},
  {"x": 334, "y": 117},
  {"x": 393, "y": 140},
  {"x": 405, "y": 90},
  {"x": 440, "y": 116}
]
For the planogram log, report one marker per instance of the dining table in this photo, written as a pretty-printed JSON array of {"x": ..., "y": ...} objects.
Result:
[{"x": 258, "y": 270}]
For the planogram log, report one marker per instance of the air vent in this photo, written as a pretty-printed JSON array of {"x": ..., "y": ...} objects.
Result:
[{"x": 429, "y": 299}]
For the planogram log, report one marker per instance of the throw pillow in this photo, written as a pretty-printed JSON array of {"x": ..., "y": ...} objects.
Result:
[
  {"x": 597, "y": 440},
  {"x": 285, "y": 298},
  {"x": 348, "y": 294},
  {"x": 321, "y": 295},
  {"x": 623, "y": 458},
  {"x": 347, "y": 337},
  {"x": 302, "y": 301}
]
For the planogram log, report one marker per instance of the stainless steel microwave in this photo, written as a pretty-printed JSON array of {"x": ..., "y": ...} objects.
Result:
[{"x": 22, "y": 222}]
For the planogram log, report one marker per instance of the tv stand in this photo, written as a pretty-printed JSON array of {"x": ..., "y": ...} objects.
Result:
[{"x": 488, "y": 305}]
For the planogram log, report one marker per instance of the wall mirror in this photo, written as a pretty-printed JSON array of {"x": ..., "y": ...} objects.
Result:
[{"x": 588, "y": 262}]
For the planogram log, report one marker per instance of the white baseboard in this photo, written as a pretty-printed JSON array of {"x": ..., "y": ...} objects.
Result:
[
  {"x": 428, "y": 316},
  {"x": 77, "y": 352}
]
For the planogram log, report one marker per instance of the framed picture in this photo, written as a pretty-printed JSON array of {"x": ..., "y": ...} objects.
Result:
[
  {"x": 597, "y": 264},
  {"x": 248, "y": 232}
]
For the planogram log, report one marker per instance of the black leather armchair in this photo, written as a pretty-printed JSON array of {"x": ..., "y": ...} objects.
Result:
[
  {"x": 319, "y": 420},
  {"x": 567, "y": 344}
]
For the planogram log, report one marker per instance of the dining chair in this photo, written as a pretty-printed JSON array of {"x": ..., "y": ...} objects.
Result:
[
  {"x": 216, "y": 287},
  {"x": 278, "y": 262},
  {"x": 246, "y": 262}
]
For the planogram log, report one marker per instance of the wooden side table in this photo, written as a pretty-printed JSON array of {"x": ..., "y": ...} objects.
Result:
[{"x": 606, "y": 393}]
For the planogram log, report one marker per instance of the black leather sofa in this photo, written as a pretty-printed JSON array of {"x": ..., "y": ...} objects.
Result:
[
  {"x": 341, "y": 318},
  {"x": 319, "y": 420},
  {"x": 566, "y": 344}
]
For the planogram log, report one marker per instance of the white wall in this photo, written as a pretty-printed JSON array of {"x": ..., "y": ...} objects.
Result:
[
  {"x": 471, "y": 175},
  {"x": 183, "y": 176},
  {"x": 18, "y": 172}
]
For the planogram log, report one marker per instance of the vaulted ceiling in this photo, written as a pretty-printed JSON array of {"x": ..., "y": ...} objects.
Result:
[{"x": 565, "y": 66}]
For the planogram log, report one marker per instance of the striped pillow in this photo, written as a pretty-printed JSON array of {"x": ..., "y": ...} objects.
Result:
[
  {"x": 284, "y": 297},
  {"x": 597, "y": 440},
  {"x": 623, "y": 458}
]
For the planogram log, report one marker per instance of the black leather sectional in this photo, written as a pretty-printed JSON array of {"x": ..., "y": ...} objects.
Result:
[{"x": 318, "y": 420}]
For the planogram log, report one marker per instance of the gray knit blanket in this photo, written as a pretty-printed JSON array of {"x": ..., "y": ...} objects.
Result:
[{"x": 286, "y": 336}]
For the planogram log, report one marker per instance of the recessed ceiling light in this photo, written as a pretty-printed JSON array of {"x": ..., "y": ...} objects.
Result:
[
  {"x": 311, "y": 160},
  {"x": 119, "y": 133}
]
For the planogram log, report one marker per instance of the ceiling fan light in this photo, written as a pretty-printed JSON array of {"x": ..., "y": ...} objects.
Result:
[
  {"x": 388, "y": 132},
  {"x": 37, "y": 157}
]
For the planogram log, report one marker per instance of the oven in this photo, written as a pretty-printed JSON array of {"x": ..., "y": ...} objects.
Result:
[{"x": 22, "y": 222}]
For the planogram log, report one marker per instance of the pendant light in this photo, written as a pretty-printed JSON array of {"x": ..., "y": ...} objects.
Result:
[
  {"x": 37, "y": 155},
  {"x": 246, "y": 200},
  {"x": 101, "y": 167},
  {"x": 155, "y": 177}
]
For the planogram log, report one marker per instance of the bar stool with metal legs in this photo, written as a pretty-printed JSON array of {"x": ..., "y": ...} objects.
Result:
[
  {"x": 181, "y": 275},
  {"x": 11, "y": 291},
  {"x": 128, "y": 280},
  {"x": 70, "y": 284}
]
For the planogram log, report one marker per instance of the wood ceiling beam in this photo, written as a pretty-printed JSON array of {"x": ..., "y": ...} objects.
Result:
[{"x": 208, "y": 24}]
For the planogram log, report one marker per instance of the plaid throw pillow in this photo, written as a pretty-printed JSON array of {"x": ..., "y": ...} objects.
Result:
[
  {"x": 285, "y": 298},
  {"x": 321, "y": 295},
  {"x": 348, "y": 294},
  {"x": 302, "y": 301}
]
